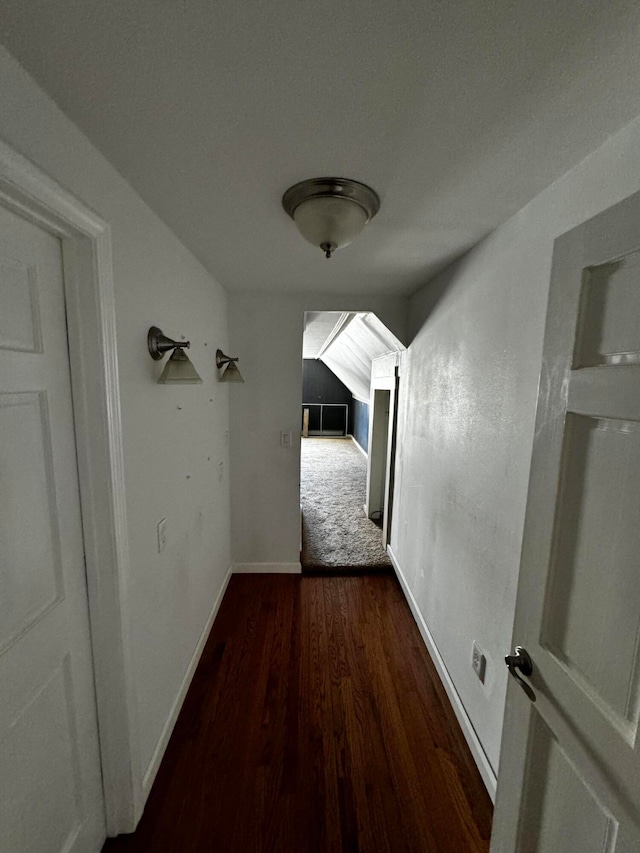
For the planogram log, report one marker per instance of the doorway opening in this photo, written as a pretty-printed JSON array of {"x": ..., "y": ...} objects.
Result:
[{"x": 348, "y": 423}]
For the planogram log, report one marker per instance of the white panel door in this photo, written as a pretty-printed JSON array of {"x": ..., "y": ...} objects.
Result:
[
  {"x": 50, "y": 784},
  {"x": 569, "y": 779}
]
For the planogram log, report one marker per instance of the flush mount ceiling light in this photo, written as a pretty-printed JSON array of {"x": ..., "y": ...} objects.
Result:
[
  {"x": 178, "y": 370},
  {"x": 229, "y": 368},
  {"x": 330, "y": 212}
]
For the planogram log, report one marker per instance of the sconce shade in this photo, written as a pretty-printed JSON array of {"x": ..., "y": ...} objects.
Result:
[
  {"x": 179, "y": 370},
  {"x": 231, "y": 373},
  {"x": 330, "y": 212},
  {"x": 228, "y": 367}
]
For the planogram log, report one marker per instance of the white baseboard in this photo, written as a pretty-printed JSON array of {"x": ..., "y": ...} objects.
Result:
[
  {"x": 480, "y": 757},
  {"x": 158, "y": 753},
  {"x": 266, "y": 568},
  {"x": 361, "y": 449}
]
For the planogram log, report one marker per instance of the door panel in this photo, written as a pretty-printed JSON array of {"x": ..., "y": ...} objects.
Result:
[
  {"x": 43, "y": 725},
  {"x": 594, "y": 579},
  {"x": 20, "y": 318},
  {"x": 583, "y": 823},
  {"x": 608, "y": 328},
  {"x": 32, "y": 581},
  {"x": 569, "y": 776},
  {"x": 50, "y": 784}
]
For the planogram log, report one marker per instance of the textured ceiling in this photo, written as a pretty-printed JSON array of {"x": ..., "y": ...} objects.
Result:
[{"x": 457, "y": 113}]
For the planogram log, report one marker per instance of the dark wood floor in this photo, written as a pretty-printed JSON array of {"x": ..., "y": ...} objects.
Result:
[{"x": 315, "y": 722}]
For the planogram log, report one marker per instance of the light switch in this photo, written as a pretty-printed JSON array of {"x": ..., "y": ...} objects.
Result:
[{"x": 286, "y": 438}]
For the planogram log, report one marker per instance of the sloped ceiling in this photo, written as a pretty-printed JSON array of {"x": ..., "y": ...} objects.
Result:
[
  {"x": 457, "y": 113},
  {"x": 352, "y": 342},
  {"x": 318, "y": 328}
]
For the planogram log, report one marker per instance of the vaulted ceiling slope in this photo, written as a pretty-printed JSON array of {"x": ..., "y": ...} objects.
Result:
[
  {"x": 348, "y": 343},
  {"x": 457, "y": 113}
]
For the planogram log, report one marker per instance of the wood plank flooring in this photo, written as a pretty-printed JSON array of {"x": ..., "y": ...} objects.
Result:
[{"x": 315, "y": 723}]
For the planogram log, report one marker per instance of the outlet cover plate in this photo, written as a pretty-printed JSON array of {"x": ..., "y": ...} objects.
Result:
[{"x": 478, "y": 662}]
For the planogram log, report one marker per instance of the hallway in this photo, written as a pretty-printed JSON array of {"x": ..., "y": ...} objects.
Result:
[
  {"x": 336, "y": 533},
  {"x": 315, "y": 722}
]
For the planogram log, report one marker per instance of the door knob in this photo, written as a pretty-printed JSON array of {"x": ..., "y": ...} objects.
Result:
[{"x": 521, "y": 660}]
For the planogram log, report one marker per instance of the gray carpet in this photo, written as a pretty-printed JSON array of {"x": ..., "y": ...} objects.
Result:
[{"x": 336, "y": 534}]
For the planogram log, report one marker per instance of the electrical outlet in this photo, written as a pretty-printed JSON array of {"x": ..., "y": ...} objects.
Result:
[
  {"x": 478, "y": 662},
  {"x": 162, "y": 535}
]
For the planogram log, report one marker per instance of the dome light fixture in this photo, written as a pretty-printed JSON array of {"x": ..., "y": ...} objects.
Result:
[{"x": 330, "y": 212}]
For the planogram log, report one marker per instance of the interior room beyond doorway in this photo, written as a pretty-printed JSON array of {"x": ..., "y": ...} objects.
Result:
[{"x": 348, "y": 436}]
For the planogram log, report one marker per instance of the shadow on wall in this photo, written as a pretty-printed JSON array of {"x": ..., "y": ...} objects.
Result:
[
  {"x": 361, "y": 424},
  {"x": 429, "y": 297}
]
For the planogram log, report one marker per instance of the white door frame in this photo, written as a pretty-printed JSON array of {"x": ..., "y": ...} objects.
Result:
[
  {"x": 385, "y": 372},
  {"x": 377, "y": 459},
  {"x": 390, "y": 474},
  {"x": 89, "y": 294}
]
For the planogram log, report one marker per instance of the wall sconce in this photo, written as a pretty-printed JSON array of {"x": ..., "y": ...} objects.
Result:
[
  {"x": 229, "y": 368},
  {"x": 178, "y": 370}
]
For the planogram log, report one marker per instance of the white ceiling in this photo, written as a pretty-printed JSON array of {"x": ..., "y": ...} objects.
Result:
[{"x": 456, "y": 111}]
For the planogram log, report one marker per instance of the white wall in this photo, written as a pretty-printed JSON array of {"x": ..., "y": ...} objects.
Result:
[
  {"x": 471, "y": 376},
  {"x": 266, "y": 333},
  {"x": 157, "y": 281}
]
